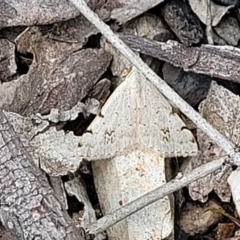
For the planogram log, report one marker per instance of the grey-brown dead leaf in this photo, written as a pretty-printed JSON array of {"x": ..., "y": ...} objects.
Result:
[
  {"x": 228, "y": 29},
  {"x": 8, "y": 65},
  {"x": 54, "y": 151},
  {"x": 33, "y": 12},
  {"x": 217, "y": 11},
  {"x": 123, "y": 10},
  {"x": 59, "y": 76},
  {"x": 221, "y": 109}
]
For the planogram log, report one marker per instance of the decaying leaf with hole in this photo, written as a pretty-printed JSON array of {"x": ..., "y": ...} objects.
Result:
[
  {"x": 148, "y": 25},
  {"x": 129, "y": 140}
]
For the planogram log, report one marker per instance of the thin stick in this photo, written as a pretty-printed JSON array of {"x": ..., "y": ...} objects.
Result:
[
  {"x": 172, "y": 96},
  {"x": 209, "y": 31},
  {"x": 109, "y": 220}
]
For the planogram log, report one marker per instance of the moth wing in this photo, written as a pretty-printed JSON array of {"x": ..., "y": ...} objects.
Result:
[{"x": 114, "y": 129}]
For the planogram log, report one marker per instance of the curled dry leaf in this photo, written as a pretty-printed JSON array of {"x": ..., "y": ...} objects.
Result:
[
  {"x": 233, "y": 182},
  {"x": 217, "y": 11},
  {"x": 221, "y": 109},
  {"x": 32, "y": 12},
  {"x": 8, "y": 65}
]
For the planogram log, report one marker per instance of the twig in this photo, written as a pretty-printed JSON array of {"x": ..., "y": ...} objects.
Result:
[
  {"x": 209, "y": 32},
  {"x": 215, "y": 61},
  {"x": 172, "y": 96},
  {"x": 109, "y": 220}
]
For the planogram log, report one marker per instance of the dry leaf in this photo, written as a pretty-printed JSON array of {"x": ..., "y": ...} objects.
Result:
[
  {"x": 8, "y": 65},
  {"x": 195, "y": 220},
  {"x": 123, "y": 10},
  {"x": 217, "y": 11},
  {"x": 32, "y": 12}
]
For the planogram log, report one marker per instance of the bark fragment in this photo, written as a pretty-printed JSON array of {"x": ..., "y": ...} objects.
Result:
[{"x": 29, "y": 208}]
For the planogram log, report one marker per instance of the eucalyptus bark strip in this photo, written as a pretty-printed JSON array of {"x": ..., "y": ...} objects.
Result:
[
  {"x": 29, "y": 208},
  {"x": 109, "y": 220},
  {"x": 159, "y": 83}
]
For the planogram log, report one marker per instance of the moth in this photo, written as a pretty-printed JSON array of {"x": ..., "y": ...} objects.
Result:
[{"x": 127, "y": 144}]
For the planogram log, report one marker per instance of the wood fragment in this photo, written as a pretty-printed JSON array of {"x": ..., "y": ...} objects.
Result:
[
  {"x": 215, "y": 61},
  {"x": 29, "y": 208}
]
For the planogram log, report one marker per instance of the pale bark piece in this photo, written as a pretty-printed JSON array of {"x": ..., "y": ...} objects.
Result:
[
  {"x": 125, "y": 10},
  {"x": 59, "y": 76},
  {"x": 33, "y": 12},
  {"x": 8, "y": 66},
  {"x": 5, "y": 235},
  {"x": 29, "y": 208},
  {"x": 183, "y": 21},
  {"x": 233, "y": 182},
  {"x": 77, "y": 188},
  {"x": 215, "y": 61},
  {"x": 135, "y": 146},
  {"x": 221, "y": 109},
  {"x": 228, "y": 29},
  {"x": 196, "y": 220},
  {"x": 178, "y": 183},
  {"x": 54, "y": 151},
  {"x": 124, "y": 124},
  {"x": 217, "y": 11}
]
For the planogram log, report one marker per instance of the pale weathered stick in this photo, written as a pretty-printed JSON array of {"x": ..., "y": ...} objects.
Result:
[
  {"x": 174, "y": 98},
  {"x": 109, "y": 220},
  {"x": 209, "y": 31},
  {"x": 215, "y": 61}
]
